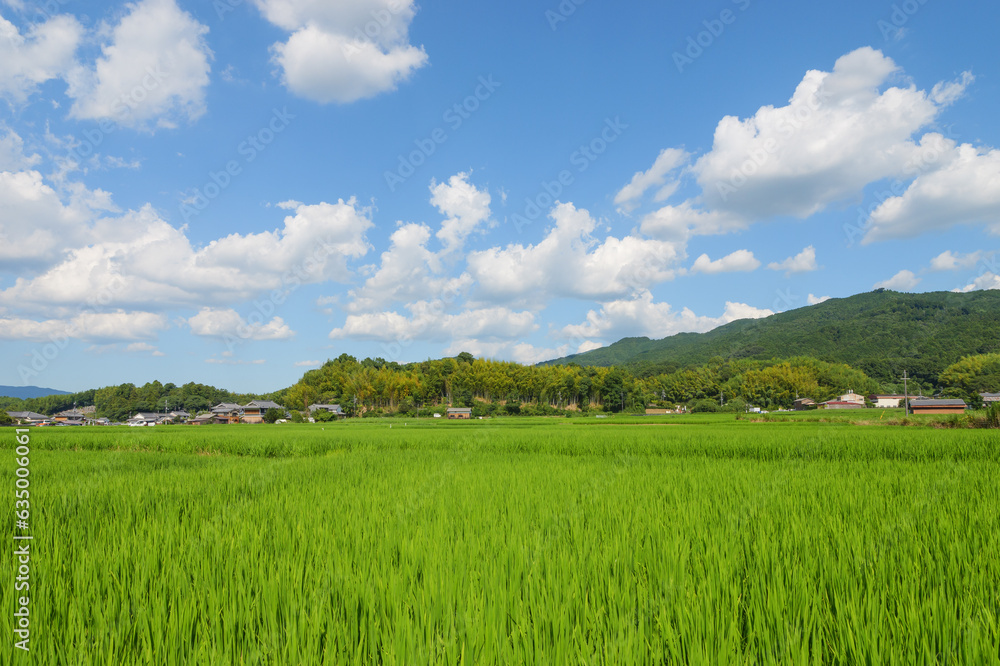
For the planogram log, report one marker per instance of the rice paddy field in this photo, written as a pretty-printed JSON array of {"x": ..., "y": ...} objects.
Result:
[{"x": 549, "y": 541}]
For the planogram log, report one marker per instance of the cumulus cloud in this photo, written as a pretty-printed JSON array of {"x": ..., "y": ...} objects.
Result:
[
  {"x": 428, "y": 320},
  {"x": 803, "y": 262},
  {"x": 343, "y": 51},
  {"x": 227, "y": 323},
  {"x": 667, "y": 161},
  {"x": 465, "y": 207},
  {"x": 97, "y": 327},
  {"x": 964, "y": 189},
  {"x": 152, "y": 73},
  {"x": 46, "y": 51},
  {"x": 738, "y": 261},
  {"x": 138, "y": 260},
  {"x": 839, "y": 132},
  {"x": 816, "y": 300},
  {"x": 902, "y": 281},
  {"x": 408, "y": 272},
  {"x": 951, "y": 261},
  {"x": 570, "y": 262},
  {"x": 12, "y": 156},
  {"x": 519, "y": 352},
  {"x": 988, "y": 280},
  {"x": 642, "y": 316}
]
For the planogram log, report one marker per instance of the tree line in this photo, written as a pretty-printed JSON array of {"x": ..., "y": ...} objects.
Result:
[{"x": 374, "y": 387}]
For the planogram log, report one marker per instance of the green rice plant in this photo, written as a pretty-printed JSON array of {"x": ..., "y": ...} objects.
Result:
[{"x": 544, "y": 543}]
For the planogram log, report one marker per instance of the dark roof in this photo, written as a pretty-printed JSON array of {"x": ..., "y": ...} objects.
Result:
[
  {"x": 31, "y": 416},
  {"x": 329, "y": 408},
  {"x": 945, "y": 402},
  {"x": 460, "y": 409},
  {"x": 989, "y": 395},
  {"x": 147, "y": 416},
  {"x": 226, "y": 407},
  {"x": 263, "y": 404}
]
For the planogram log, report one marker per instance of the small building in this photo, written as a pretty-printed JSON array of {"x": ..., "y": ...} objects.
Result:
[
  {"x": 227, "y": 412},
  {"x": 851, "y": 396},
  {"x": 887, "y": 401},
  {"x": 204, "y": 419},
  {"x": 179, "y": 415},
  {"x": 658, "y": 411},
  {"x": 254, "y": 411},
  {"x": 842, "y": 404},
  {"x": 332, "y": 409},
  {"x": 990, "y": 398},
  {"x": 69, "y": 415},
  {"x": 28, "y": 418},
  {"x": 459, "y": 412},
  {"x": 938, "y": 406},
  {"x": 145, "y": 419},
  {"x": 802, "y": 404}
]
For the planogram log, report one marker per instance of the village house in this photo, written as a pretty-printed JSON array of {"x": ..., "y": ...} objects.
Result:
[
  {"x": 204, "y": 419},
  {"x": 227, "y": 412},
  {"x": 146, "y": 419},
  {"x": 658, "y": 411},
  {"x": 802, "y": 404},
  {"x": 942, "y": 406},
  {"x": 254, "y": 411},
  {"x": 990, "y": 398},
  {"x": 70, "y": 415},
  {"x": 332, "y": 409},
  {"x": 459, "y": 412},
  {"x": 887, "y": 401},
  {"x": 28, "y": 418}
]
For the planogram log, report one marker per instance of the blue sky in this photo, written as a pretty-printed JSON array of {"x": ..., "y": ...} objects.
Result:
[{"x": 231, "y": 192}]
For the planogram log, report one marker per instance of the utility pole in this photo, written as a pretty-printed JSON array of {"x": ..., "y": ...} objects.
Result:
[{"x": 906, "y": 394}]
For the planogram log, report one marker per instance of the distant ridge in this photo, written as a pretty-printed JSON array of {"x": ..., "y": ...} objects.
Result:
[
  {"x": 881, "y": 332},
  {"x": 26, "y": 392}
]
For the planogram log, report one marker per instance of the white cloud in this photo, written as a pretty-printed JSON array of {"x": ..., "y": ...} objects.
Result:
[
  {"x": 950, "y": 261},
  {"x": 153, "y": 72},
  {"x": 465, "y": 207},
  {"x": 45, "y": 52},
  {"x": 738, "y": 261},
  {"x": 138, "y": 260},
  {"x": 964, "y": 189},
  {"x": 668, "y": 160},
  {"x": 408, "y": 272},
  {"x": 803, "y": 262},
  {"x": 816, "y": 300},
  {"x": 308, "y": 364},
  {"x": 839, "y": 132},
  {"x": 570, "y": 262},
  {"x": 429, "y": 321},
  {"x": 139, "y": 347},
  {"x": 643, "y": 317},
  {"x": 229, "y": 361},
  {"x": 36, "y": 228},
  {"x": 227, "y": 323},
  {"x": 89, "y": 326},
  {"x": 902, "y": 281},
  {"x": 344, "y": 51},
  {"x": 12, "y": 157},
  {"x": 519, "y": 352},
  {"x": 987, "y": 280}
]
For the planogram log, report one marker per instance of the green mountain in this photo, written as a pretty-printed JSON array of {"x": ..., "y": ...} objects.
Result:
[{"x": 881, "y": 332}]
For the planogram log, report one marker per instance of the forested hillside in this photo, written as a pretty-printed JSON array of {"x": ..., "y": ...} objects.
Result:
[{"x": 882, "y": 333}]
